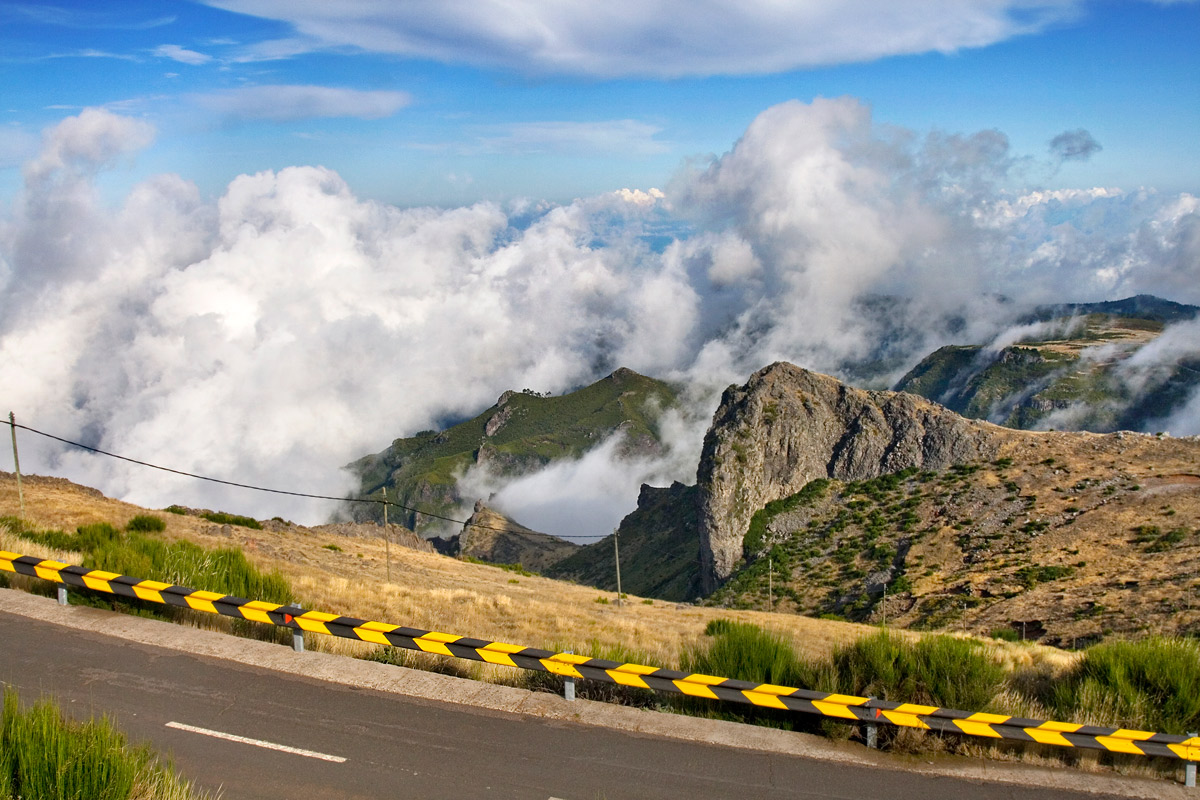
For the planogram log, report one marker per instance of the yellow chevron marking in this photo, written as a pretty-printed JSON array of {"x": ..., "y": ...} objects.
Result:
[
  {"x": 316, "y": 626},
  {"x": 770, "y": 688},
  {"x": 257, "y": 610},
  {"x": 559, "y": 668},
  {"x": 695, "y": 689},
  {"x": 48, "y": 570},
  {"x": 1188, "y": 751},
  {"x": 444, "y": 638},
  {"x": 1119, "y": 745},
  {"x": 990, "y": 719},
  {"x": 374, "y": 632},
  {"x": 432, "y": 646},
  {"x": 626, "y": 678},
  {"x": 834, "y": 709},
  {"x": 203, "y": 601},
  {"x": 905, "y": 720},
  {"x": 914, "y": 708},
  {"x": 501, "y": 647},
  {"x": 569, "y": 658},
  {"x": 977, "y": 728},
  {"x": 98, "y": 579},
  {"x": 1043, "y": 736},
  {"x": 706, "y": 680},
  {"x": 493, "y": 657},
  {"x": 1061, "y": 727},
  {"x": 6, "y": 560},
  {"x": 634, "y": 669},
  {"x": 1135, "y": 736},
  {"x": 845, "y": 700},
  {"x": 769, "y": 700},
  {"x": 315, "y": 621},
  {"x": 147, "y": 590}
]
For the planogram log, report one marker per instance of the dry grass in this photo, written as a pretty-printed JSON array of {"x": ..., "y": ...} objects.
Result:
[{"x": 427, "y": 590}]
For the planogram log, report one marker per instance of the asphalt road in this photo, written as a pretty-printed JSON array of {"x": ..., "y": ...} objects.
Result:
[{"x": 396, "y": 746}]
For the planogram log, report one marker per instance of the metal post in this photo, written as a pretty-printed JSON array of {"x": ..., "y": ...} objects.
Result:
[
  {"x": 872, "y": 734},
  {"x": 617, "y": 556},
  {"x": 62, "y": 596},
  {"x": 298, "y": 641},
  {"x": 1189, "y": 769},
  {"x": 387, "y": 540},
  {"x": 569, "y": 687},
  {"x": 770, "y": 584},
  {"x": 12, "y": 423}
]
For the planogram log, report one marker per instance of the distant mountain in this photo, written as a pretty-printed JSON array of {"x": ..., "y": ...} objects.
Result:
[
  {"x": 492, "y": 537},
  {"x": 1071, "y": 375},
  {"x": 521, "y": 433},
  {"x": 659, "y": 545},
  {"x": 1142, "y": 306}
]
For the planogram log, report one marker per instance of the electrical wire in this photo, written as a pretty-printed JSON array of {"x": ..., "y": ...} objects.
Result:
[{"x": 464, "y": 523}]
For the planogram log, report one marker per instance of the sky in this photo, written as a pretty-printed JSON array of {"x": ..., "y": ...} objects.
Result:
[{"x": 258, "y": 239}]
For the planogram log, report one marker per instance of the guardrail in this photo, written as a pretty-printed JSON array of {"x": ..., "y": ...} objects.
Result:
[{"x": 847, "y": 708}]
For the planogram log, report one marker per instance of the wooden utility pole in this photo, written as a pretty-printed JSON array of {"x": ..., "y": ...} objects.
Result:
[
  {"x": 617, "y": 556},
  {"x": 12, "y": 423},
  {"x": 387, "y": 540},
  {"x": 770, "y": 583}
]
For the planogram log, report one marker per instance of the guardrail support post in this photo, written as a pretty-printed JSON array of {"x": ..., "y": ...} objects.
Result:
[
  {"x": 62, "y": 596},
  {"x": 872, "y": 731},
  {"x": 569, "y": 687},
  {"x": 1189, "y": 770},
  {"x": 298, "y": 641}
]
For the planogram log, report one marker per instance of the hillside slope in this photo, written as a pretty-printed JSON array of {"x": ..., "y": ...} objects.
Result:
[
  {"x": 519, "y": 434},
  {"x": 1071, "y": 374}
]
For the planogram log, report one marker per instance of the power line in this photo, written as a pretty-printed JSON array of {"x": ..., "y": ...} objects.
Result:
[{"x": 277, "y": 491}]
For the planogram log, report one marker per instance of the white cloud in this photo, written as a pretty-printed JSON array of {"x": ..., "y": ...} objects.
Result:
[
  {"x": 291, "y": 326},
  {"x": 291, "y": 103},
  {"x": 181, "y": 54},
  {"x": 659, "y": 38}
]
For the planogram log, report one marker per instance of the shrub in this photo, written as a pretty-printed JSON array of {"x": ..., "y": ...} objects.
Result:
[
  {"x": 1152, "y": 684},
  {"x": 934, "y": 670},
  {"x": 221, "y": 518},
  {"x": 146, "y": 523}
]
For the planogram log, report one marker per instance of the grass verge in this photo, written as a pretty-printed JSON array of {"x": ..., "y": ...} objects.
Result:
[{"x": 46, "y": 757}]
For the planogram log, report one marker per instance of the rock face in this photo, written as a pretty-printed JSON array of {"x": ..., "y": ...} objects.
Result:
[
  {"x": 788, "y": 426},
  {"x": 490, "y": 536}
]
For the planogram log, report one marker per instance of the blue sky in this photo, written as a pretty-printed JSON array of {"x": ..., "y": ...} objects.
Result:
[{"x": 448, "y": 103}]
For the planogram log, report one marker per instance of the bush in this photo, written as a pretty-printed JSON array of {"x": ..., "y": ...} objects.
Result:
[
  {"x": 745, "y": 652},
  {"x": 1152, "y": 684},
  {"x": 934, "y": 670},
  {"x": 221, "y": 518},
  {"x": 146, "y": 523}
]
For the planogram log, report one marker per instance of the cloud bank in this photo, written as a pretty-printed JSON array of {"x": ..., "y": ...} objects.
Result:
[
  {"x": 660, "y": 38},
  {"x": 291, "y": 326}
]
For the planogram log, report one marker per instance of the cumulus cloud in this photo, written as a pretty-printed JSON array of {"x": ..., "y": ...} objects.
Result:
[
  {"x": 1076, "y": 145},
  {"x": 291, "y": 103},
  {"x": 662, "y": 38},
  {"x": 182, "y": 54},
  {"x": 291, "y": 326}
]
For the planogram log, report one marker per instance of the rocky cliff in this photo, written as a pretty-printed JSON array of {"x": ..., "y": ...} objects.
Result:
[
  {"x": 490, "y": 536},
  {"x": 787, "y": 426}
]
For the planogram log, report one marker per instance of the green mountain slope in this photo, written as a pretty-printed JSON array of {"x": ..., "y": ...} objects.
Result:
[
  {"x": 520, "y": 433},
  {"x": 1073, "y": 377},
  {"x": 659, "y": 546}
]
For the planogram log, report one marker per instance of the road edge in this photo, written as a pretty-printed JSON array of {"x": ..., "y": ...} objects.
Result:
[{"x": 346, "y": 671}]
